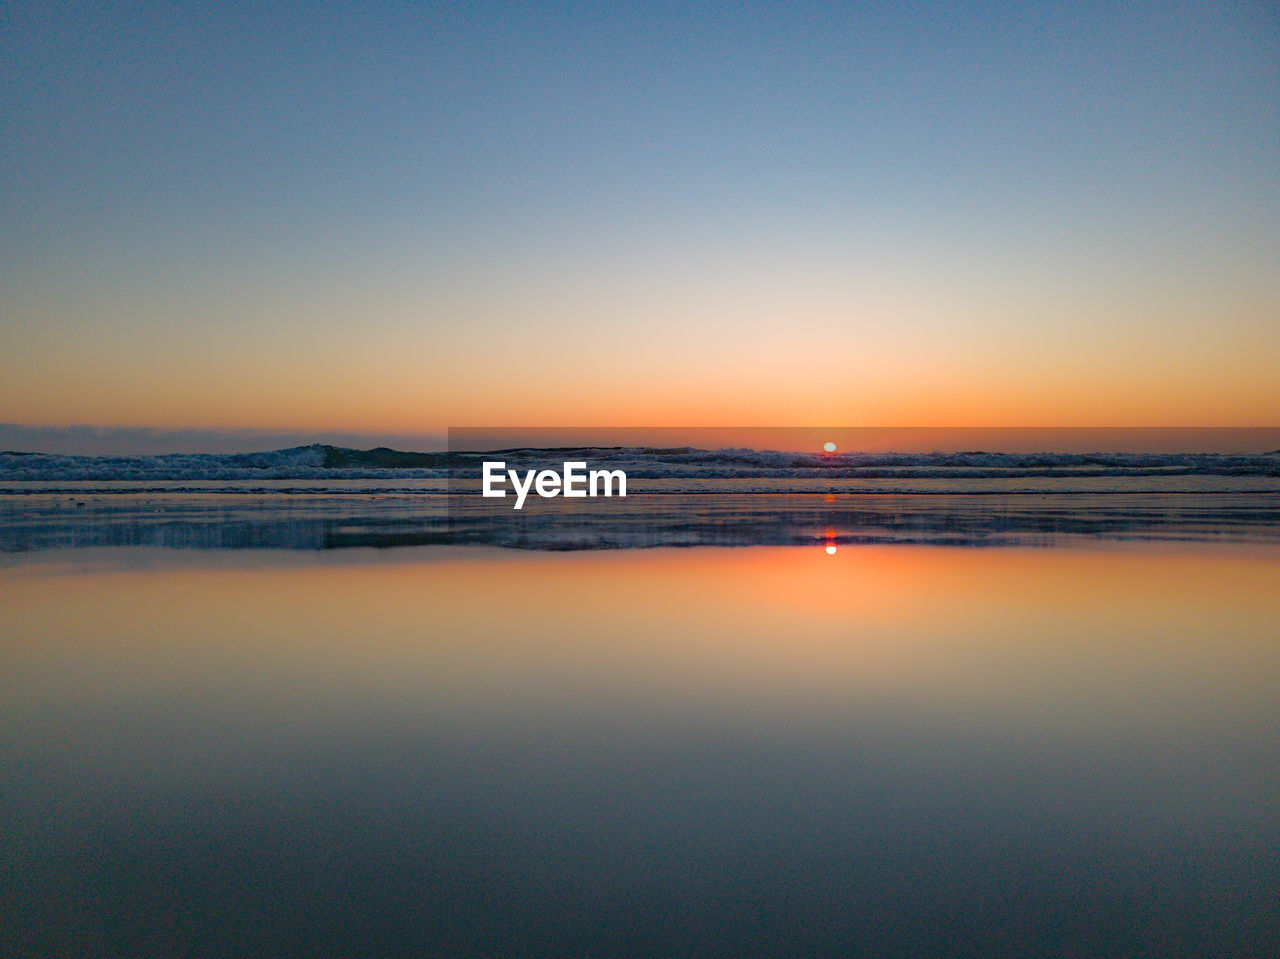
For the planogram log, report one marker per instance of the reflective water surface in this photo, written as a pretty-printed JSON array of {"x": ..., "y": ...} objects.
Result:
[
  {"x": 888, "y": 749},
  {"x": 338, "y": 515}
]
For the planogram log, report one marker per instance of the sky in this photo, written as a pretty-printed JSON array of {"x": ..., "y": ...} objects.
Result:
[{"x": 386, "y": 219}]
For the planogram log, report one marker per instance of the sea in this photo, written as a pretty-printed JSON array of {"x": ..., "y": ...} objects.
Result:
[{"x": 318, "y": 702}]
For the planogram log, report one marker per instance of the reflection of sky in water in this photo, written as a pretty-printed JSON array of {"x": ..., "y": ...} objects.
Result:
[{"x": 664, "y": 751}]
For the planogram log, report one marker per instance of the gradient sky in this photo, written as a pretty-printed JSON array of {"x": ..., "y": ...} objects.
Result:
[{"x": 392, "y": 218}]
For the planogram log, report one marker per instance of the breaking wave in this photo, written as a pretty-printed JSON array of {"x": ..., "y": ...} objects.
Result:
[{"x": 321, "y": 462}]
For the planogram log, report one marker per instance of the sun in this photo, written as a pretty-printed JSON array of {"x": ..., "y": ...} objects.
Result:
[{"x": 829, "y": 447}]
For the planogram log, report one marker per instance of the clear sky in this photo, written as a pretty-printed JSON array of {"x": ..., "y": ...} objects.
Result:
[{"x": 392, "y": 218}]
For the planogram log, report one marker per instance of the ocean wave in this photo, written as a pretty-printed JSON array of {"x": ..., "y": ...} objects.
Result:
[
  {"x": 321, "y": 462},
  {"x": 318, "y": 462}
]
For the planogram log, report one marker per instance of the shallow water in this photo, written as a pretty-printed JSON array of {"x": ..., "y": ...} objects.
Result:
[
  {"x": 340, "y": 514},
  {"x": 891, "y": 749}
]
